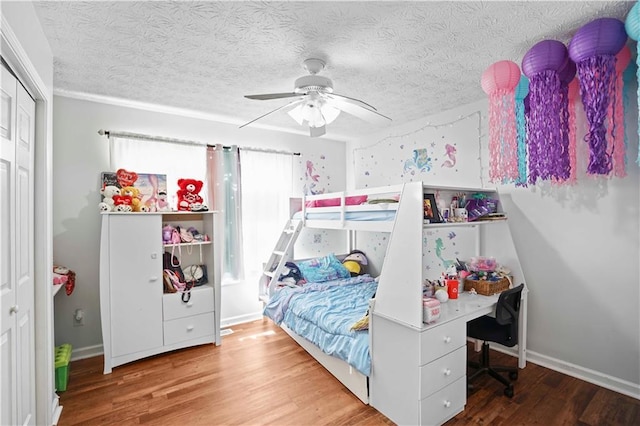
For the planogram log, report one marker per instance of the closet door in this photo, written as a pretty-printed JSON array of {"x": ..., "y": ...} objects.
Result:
[
  {"x": 135, "y": 268},
  {"x": 17, "y": 338}
]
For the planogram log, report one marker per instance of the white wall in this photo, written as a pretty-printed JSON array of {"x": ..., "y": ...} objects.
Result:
[
  {"x": 579, "y": 247},
  {"x": 80, "y": 154}
]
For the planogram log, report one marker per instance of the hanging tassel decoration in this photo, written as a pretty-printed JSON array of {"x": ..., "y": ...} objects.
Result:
[{"x": 593, "y": 49}]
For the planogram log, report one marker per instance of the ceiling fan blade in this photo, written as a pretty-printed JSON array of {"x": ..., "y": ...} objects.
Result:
[
  {"x": 356, "y": 110},
  {"x": 292, "y": 103},
  {"x": 268, "y": 96},
  {"x": 354, "y": 101},
  {"x": 315, "y": 132}
]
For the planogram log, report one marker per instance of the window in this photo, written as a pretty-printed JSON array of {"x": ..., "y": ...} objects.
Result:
[{"x": 266, "y": 188}]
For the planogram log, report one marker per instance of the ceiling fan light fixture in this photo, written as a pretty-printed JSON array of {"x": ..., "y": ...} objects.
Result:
[{"x": 315, "y": 113}]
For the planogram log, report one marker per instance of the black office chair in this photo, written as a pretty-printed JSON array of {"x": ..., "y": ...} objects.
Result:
[{"x": 502, "y": 329}]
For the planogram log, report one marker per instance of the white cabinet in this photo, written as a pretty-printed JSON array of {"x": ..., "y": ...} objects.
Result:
[
  {"x": 17, "y": 289},
  {"x": 138, "y": 319}
]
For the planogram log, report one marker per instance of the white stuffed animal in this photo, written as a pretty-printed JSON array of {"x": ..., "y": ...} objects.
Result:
[{"x": 108, "y": 192}]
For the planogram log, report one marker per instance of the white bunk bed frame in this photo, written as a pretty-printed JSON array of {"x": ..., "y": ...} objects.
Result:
[{"x": 399, "y": 291}]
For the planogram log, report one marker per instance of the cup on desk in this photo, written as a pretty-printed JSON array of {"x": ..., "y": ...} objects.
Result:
[{"x": 452, "y": 288}]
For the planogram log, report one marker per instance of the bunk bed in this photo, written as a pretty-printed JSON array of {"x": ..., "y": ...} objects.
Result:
[{"x": 395, "y": 297}]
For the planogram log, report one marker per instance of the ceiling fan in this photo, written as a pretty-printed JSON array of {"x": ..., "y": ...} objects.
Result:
[{"x": 316, "y": 104}]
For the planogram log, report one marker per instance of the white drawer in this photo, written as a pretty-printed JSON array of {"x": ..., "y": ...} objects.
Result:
[
  {"x": 201, "y": 301},
  {"x": 442, "y": 372},
  {"x": 444, "y": 404},
  {"x": 181, "y": 329},
  {"x": 441, "y": 340}
]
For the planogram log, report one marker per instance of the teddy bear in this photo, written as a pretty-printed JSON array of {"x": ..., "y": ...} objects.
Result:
[
  {"x": 123, "y": 203},
  {"x": 188, "y": 194},
  {"x": 108, "y": 192},
  {"x": 134, "y": 193}
]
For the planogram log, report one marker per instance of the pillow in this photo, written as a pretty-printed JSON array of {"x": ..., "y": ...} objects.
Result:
[
  {"x": 323, "y": 269},
  {"x": 334, "y": 202}
]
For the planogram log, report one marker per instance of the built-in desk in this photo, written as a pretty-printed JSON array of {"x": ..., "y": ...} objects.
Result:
[{"x": 418, "y": 375}]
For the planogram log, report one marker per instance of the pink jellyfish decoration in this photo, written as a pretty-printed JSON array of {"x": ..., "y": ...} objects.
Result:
[
  {"x": 615, "y": 116},
  {"x": 542, "y": 64},
  {"x": 593, "y": 48},
  {"x": 499, "y": 82},
  {"x": 632, "y": 25}
]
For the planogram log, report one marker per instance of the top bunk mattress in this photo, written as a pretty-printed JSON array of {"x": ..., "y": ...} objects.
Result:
[{"x": 371, "y": 215}]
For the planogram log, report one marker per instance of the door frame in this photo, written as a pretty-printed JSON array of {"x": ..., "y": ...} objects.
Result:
[{"x": 47, "y": 407}]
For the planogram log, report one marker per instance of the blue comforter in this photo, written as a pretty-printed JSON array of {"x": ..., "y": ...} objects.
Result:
[{"x": 323, "y": 313}]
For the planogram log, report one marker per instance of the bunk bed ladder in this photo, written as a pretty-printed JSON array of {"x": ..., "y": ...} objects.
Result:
[{"x": 281, "y": 254}]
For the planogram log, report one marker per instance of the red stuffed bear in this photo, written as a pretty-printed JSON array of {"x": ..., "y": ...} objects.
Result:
[{"x": 188, "y": 198}]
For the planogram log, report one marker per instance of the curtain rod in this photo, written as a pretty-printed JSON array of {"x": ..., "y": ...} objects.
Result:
[{"x": 109, "y": 133}]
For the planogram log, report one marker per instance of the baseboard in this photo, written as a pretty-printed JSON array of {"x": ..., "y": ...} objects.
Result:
[
  {"x": 98, "y": 350},
  {"x": 595, "y": 377},
  {"x": 227, "y": 322},
  {"x": 86, "y": 352}
]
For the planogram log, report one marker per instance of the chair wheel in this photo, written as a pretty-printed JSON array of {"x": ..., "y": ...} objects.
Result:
[
  {"x": 509, "y": 391},
  {"x": 513, "y": 375}
]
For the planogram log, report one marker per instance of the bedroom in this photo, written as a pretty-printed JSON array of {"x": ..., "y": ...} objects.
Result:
[{"x": 567, "y": 264}]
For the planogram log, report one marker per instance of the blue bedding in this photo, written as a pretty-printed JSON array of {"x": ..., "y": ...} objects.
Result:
[{"x": 323, "y": 313}]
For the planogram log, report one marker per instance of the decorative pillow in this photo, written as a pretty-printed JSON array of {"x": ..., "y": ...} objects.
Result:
[{"x": 323, "y": 269}]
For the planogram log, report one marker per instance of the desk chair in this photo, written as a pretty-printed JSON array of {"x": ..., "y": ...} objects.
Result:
[{"x": 502, "y": 329}]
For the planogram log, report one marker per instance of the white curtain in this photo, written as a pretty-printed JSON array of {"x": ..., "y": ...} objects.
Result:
[
  {"x": 177, "y": 161},
  {"x": 225, "y": 189},
  {"x": 266, "y": 188}
]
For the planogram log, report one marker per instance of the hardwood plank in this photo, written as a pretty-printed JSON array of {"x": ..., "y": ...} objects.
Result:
[{"x": 260, "y": 376}]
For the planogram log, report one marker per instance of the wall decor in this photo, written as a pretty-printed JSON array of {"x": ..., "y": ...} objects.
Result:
[
  {"x": 499, "y": 81},
  {"x": 632, "y": 26},
  {"x": 446, "y": 154},
  {"x": 593, "y": 48},
  {"x": 548, "y": 155}
]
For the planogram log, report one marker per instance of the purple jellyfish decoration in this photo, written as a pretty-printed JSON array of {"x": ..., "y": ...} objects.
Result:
[
  {"x": 594, "y": 48},
  {"x": 542, "y": 64}
]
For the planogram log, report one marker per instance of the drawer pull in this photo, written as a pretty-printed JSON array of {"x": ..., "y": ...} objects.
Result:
[
  {"x": 447, "y": 339},
  {"x": 190, "y": 328},
  {"x": 153, "y": 279},
  {"x": 189, "y": 304},
  {"x": 447, "y": 372},
  {"x": 447, "y": 404}
]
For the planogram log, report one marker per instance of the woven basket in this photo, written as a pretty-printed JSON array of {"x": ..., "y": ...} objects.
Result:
[{"x": 485, "y": 287}]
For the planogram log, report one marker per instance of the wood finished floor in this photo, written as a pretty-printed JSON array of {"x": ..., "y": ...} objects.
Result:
[{"x": 259, "y": 375}]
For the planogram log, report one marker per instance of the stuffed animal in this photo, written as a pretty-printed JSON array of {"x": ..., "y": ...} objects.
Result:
[
  {"x": 188, "y": 194},
  {"x": 356, "y": 263},
  {"x": 108, "y": 192},
  {"x": 104, "y": 207},
  {"x": 134, "y": 193},
  {"x": 123, "y": 203},
  {"x": 162, "y": 205}
]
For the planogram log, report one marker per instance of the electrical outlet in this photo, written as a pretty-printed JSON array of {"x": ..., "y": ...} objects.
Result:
[{"x": 78, "y": 317}]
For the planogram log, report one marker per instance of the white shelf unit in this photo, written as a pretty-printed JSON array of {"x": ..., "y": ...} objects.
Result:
[
  {"x": 138, "y": 319},
  {"x": 407, "y": 382}
]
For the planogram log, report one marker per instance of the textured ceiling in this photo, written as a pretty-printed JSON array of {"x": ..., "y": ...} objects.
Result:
[{"x": 408, "y": 59}]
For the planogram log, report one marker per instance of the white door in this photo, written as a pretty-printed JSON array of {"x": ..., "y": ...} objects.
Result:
[{"x": 17, "y": 339}]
